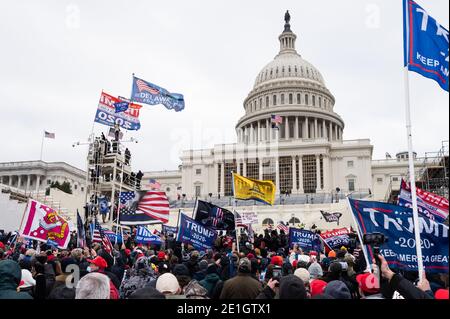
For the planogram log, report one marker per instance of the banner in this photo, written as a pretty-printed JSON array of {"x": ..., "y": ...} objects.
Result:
[
  {"x": 142, "y": 208},
  {"x": 425, "y": 44},
  {"x": 306, "y": 239},
  {"x": 193, "y": 233},
  {"x": 43, "y": 223},
  {"x": 213, "y": 216},
  {"x": 106, "y": 113},
  {"x": 246, "y": 188},
  {"x": 167, "y": 230},
  {"x": 331, "y": 217},
  {"x": 336, "y": 238},
  {"x": 145, "y": 236},
  {"x": 396, "y": 222},
  {"x": 247, "y": 218},
  {"x": 149, "y": 93},
  {"x": 431, "y": 205}
]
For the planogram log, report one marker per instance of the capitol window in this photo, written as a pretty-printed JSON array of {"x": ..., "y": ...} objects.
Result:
[
  {"x": 260, "y": 103},
  {"x": 267, "y": 101},
  {"x": 198, "y": 171},
  {"x": 299, "y": 99},
  {"x": 274, "y": 100},
  {"x": 314, "y": 100},
  {"x": 351, "y": 185},
  {"x": 350, "y": 163},
  {"x": 290, "y": 99},
  {"x": 282, "y": 98},
  {"x": 379, "y": 179},
  {"x": 320, "y": 101},
  {"x": 306, "y": 99}
]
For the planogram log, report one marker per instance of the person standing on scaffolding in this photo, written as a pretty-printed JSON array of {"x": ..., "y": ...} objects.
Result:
[{"x": 115, "y": 142}]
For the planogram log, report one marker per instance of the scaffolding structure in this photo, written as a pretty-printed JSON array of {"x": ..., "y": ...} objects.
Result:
[
  {"x": 434, "y": 173},
  {"x": 108, "y": 173}
]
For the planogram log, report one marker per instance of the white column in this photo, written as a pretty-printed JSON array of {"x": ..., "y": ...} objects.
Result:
[
  {"x": 260, "y": 169},
  {"x": 277, "y": 174},
  {"x": 341, "y": 133},
  {"x": 326, "y": 173},
  {"x": 316, "y": 131},
  {"x": 222, "y": 179},
  {"x": 294, "y": 176},
  {"x": 19, "y": 181},
  {"x": 306, "y": 128},
  {"x": 28, "y": 183},
  {"x": 296, "y": 128},
  {"x": 300, "y": 175},
  {"x": 216, "y": 177},
  {"x": 286, "y": 128},
  {"x": 267, "y": 135},
  {"x": 10, "y": 180},
  {"x": 323, "y": 129},
  {"x": 317, "y": 173},
  {"x": 330, "y": 131},
  {"x": 259, "y": 131},
  {"x": 245, "y": 167},
  {"x": 336, "y": 132}
]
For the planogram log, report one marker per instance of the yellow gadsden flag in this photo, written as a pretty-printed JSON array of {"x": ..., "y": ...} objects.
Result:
[{"x": 247, "y": 188}]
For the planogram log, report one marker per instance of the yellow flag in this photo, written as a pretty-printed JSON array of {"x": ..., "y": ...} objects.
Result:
[{"x": 247, "y": 188}]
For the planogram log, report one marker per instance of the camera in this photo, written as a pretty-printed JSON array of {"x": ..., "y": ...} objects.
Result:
[
  {"x": 375, "y": 240},
  {"x": 277, "y": 273}
]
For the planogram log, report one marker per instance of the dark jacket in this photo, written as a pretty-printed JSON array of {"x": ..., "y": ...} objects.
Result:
[
  {"x": 267, "y": 293},
  {"x": 10, "y": 276},
  {"x": 243, "y": 286},
  {"x": 210, "y": 282},
  {"x": 407, "y": 288}
]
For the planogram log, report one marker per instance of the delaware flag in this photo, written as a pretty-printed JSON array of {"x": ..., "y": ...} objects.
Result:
[
  {"x": 149, "y": 93},
  {"x": 247, "y": 188},
  {"x": 425, "y": 44}
]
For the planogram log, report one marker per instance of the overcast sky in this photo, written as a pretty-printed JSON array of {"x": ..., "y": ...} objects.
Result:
[{"x": 57, "y": 56}]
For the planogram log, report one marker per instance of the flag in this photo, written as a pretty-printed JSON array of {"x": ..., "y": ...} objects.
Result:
[
  {"x": 141, "y": 208},
  {"x": 426, "y": 44},
  {"x": 41, "y": 223},
  {"x": 144, "y": 236},
  {"x": 167, "y": 230},
  {"x": 149, "y": 93},
  {"x": 331, "y": 217},
  {"x": 396, "y": 223},
  {"x": 305, "y": 239},
  {"x": 213, "y": 216},
  {"x": 154, "y": 184},
  {"x": 81, "y": 235},
  {"x": 49, "y": 135},
  {"x": 283, "y": 227},
  {"x": 99, "y": 236},
  {"x": 194, "y": 233},
  {"x": 336, "y": 238},
  {"x": 106, "y": 113},
  {"x": 121, "y": 106},
  {"x": 246, "y": 188},
  {"x": 276, "y": 121},
  {"x": 431, "y": 205}
]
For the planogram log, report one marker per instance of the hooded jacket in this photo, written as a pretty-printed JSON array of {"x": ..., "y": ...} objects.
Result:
[
  {"x": 210, "y": 282},
  {"x": 10, "y": 276}
]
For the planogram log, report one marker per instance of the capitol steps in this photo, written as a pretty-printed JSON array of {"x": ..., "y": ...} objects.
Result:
[{"x": 11, "y": 212}]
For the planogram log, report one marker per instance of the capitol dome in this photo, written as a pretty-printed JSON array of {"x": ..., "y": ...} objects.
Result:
[{"x": 291, "y": 88}]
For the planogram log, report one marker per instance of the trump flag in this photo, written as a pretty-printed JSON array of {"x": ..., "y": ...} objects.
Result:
[{"x": 425, "y": 44}]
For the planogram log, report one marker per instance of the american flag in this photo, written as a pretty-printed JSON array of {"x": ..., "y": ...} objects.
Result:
[
  {"x": 152, "y": 207},
  {"x": 154, "y": 184},
  {"x": 49, "y": 135},
  {"x": 143, "y": 86},
  {"x": 99, "y": 236},
  {"x": 217, "y": 216},
  {"x": 276, "y": 120},
  {"x": 283, "y": 227}
]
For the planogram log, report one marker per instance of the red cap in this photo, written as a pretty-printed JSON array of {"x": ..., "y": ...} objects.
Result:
[
  {"x": 294, "y": 263},
  {"x": 50, "y": 257},
  {"x": 127, "y": 252},
  {"x": 313, "y": 253},
  {"x": 317, "y": 287},
  {"x": 441, "y": 294},
  {"x": 99, "y": 262},
  {"x": 161, "y": 255},
  {"x": 250, "y": 256},
  {"x": 368, "y": 283},
  {"x": 277, "y": 260}
]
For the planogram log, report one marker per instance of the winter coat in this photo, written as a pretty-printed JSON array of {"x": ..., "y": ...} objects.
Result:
[
  {"x": 139, "y": 276},
  {"x": 193, "y": 290},
  {"x": 60, "y": 289},
  {"x": 407, "y": 288},
  {"x": 10, "y": 276},
  {"x": 210, "y": 282},
  {"x": 243, "y": 286},
  {"x": 266, "y": 293}
]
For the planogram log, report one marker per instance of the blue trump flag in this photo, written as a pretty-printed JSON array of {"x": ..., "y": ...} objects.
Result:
[
  {"x": 169, "y": 229},
  {"x": 396, "y": 222},
  {"x": 426, "y": 46},
  {"x": 145, "y": 236},
  {"x": 149, "y": 93},
  {"x": 195, "y": 234},
  {"x": 306, "y": 239},
  {"x": 121, "y": 106}
]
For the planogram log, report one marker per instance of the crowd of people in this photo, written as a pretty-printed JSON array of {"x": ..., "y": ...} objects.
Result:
[{"x": 265, "y": 269}]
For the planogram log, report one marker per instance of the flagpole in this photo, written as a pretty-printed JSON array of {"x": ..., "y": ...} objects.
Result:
[
  {"x": 358, "y": 232},
  {"x": 234, "y": 213},
  {"x": 412, "y": 177},
  {"x": 42, "y": 145}
]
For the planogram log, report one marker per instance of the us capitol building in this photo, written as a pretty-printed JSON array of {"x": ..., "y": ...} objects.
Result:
[{"x": 307, "y": 158}]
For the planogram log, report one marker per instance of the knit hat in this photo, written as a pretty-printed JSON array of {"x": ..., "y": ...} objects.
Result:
[
  {"x": 99, "y": 262},
  {"x": 292, "y": 287},
  {"x": 332, "y": 254},
  {"x": 317, "y": 287},
  {"x": 338, "y": 290},
  {"x": 335, "y": 268},
  {"x": 167, "y": 284},
  {"x": 27, "y": 279},
  {"x": 303, "y": 274},
  {"x": 368, "y": 283},
  {"x": 250, "y": 256},
  {"x": 441, "y": 294},
  {"x": 181, "y": 270},
  {"x": 315, "y": 270}
]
